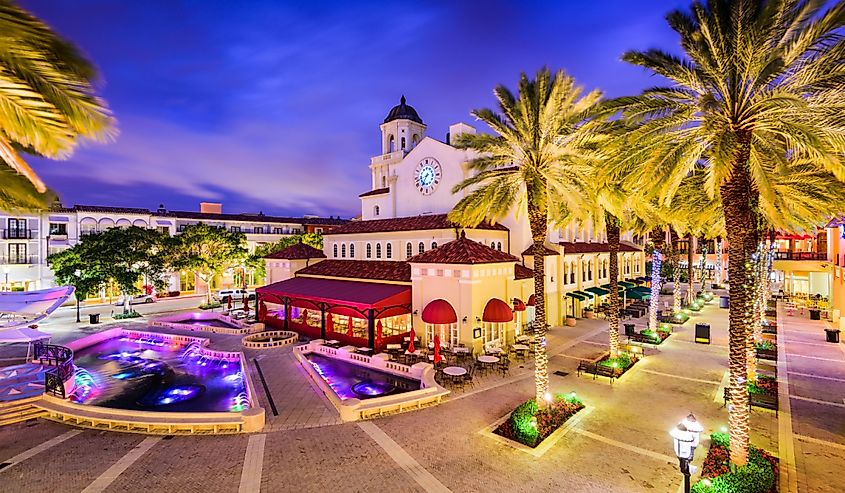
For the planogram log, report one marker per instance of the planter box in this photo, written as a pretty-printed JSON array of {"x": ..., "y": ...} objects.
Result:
[
  {"x": 570, "y": 322},
  {"x": 771, "y": 354},
  {"x": 589, "y": 314},
  {"x": 766, "y": 401},
  {"x": 543, "y": 446}
]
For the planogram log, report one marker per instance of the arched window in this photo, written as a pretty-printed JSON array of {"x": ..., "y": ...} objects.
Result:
[
  {"x": 403, "y": 143},
  {"x": 376, "y": 210},
  {"x": 334, "y": 250},
  {"x": 565, "y": 273},
  {"x": 369, "y": 251},
  {"x": 421, "y": 247},
  {"x": 499, "y": 246},
  {"x": 415, "y": 139},
  {"x": 391, "y": 144},
  {"x": 378, "y": 250},
  {"x": 583, "y": 271},
  {"x": 388, "y": 250},
  {"x": 343, "y": 251},
  {"x": 433, "y": 245},
  {"x": 409, "y": 250},
  {"x": 590, "y": 270},
  {"x": 352, "y": 250},
  {"x": 572, "y": 273}
]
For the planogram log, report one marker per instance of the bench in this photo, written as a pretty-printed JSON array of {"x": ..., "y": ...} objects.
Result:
[
  {"x": 596, "y": 370},
  {"x": 640, "y": 338},
  {"x": 765, "y": 401},
  {"x": 770, "y": 329}
]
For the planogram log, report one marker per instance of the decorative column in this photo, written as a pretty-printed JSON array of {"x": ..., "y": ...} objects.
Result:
[{"x": 371, "y": 329}]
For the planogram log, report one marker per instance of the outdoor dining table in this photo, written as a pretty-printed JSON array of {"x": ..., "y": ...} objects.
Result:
[
  {"x": 488, "y": 359},
  {"x": 523, "y": 338},
  {"x": 520, "y": 347},
  {"x": 455, "y": 371},
  {"x": 460, "y": 349},
  {"x": 394, "y": 346},
  {"x": 494, "y": 350},
  {"x": 332, "y": 342},
  {"x": 363, "y": 350}
]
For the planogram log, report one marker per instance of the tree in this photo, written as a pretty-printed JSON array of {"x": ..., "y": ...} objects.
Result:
[
  {"x": 534, "y": 163},
  {"x": 208, "y": 251},
  {"x": 758, "y": 97},
  {"x": 71, "y": 267},
  {"x": 47, "y": 103},
  {"x": 255, "y": 260}
]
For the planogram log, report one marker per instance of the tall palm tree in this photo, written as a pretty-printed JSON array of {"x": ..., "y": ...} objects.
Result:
[
  {"x": 760, "y": 95},
  {"x": 534, "y": 163},
  {"x": 47, "y": 101}
]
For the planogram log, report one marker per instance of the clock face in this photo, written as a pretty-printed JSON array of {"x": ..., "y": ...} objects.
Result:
[{"x": 427, "y": 176}]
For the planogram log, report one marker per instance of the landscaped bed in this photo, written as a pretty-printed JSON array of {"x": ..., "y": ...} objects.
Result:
[
  {"x": 718, "y": 476},
  {"x": 766, "y": 350},
  {"x": 530, "y": 425},
  {"x": 763, "y": 392},
  {"x": 651, "y": 337}
]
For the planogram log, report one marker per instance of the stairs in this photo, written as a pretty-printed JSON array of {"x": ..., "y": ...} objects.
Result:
[
  {"x": 21, "y": 386},
  {"x": 20, "y": 410}
]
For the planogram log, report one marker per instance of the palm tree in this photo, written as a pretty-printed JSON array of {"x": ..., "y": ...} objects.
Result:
[
  {"x": 759, "y": 96},
  {"x": 47, "y": 101},
  {"x": 658, "y": 239},
  {"x": 534, "y": 164}
]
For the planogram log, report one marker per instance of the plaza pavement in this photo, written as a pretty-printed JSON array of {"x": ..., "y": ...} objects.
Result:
[{"x": 620, "y": 445}]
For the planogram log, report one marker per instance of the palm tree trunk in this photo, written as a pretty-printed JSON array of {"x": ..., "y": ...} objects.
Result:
[
  {"x": 739, "y": 202},
  {"x": 538, "y": 219},
  {"x": 691, "y": 272},
  {"x": 676, "y": 271},
  {"x": 612, "y": 228},
  {"x": 656, "y": 262}
]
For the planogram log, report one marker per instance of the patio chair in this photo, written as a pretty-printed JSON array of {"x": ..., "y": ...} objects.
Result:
[
  {"x": 470, "y": 376},
  {"x": 504, "y": 366}
]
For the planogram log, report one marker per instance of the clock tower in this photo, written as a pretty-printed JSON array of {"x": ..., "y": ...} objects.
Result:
[{"x": 401, "y": 131}]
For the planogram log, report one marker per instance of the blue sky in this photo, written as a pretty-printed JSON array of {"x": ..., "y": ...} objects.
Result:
[{"x": 274, "y": 106}]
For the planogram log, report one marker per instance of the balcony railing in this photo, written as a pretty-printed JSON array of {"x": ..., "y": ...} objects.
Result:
[
  {"x": 19, "y": 259},
  {"x": 17, "y": 234},
  {"x": 800, "y": 256}
]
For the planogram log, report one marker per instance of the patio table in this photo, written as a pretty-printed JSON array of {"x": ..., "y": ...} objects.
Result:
[
  {"x": 494, "y": 350},
  {"x": 460, "y": 349},
  {"x": 488, "y": 359},
  {"x": 520, "y": 347},
  {"x": 454, "y": 371},
  {"x": 394, "y": 346}
]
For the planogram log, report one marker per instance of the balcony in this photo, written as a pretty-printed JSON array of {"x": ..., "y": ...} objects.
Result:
[
  {"x": 17, "y": 234},
  {"x": 19, "y": 260},
  {"x": 800, "y": 256}
]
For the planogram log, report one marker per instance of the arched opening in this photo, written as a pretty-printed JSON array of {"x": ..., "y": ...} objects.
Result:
[
  {"x": 369, "y": 250},
  {"x": 378, "y": 250},
  {"x": 334, "y": 250},
  {"x": 352, "y": 250},
  {"x": 343, "y": 251},
  {"x": 376, "y": 210},
  {"x": 391, "y": 143},
  {"x": 388, "y": 250},
  {"x": 421, "y": 248},
  {"x": 409, "y": 250},
  {"x": 415, "y": 140},
  {"x": 403, "y": 143},
  {"x": 433, "y": 245},
  {"x": 383, "y": 181}
]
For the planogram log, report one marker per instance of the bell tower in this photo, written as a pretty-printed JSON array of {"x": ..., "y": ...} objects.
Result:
[{"x": 401, "y": 131}]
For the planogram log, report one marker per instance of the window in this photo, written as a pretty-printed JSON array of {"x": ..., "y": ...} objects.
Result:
[
  {"x": 278, "y": 231},
  {"x": 17, "y": 229},
  {"x": 161, "y": 229},
  {"x": 433, "y": 245},
  {"x": 388, "y": 250},
  {"x": 499, "y": 246},
  {"x": 590, "y": 270},
  {"x": 391, "y": 144},
  {"x": 383, "y": 181},
  {"x": 421, "y": 248},
  {"x": 637, "y": 267},
  {"x": 334, "y": 250},
  {"x": 565, "y": 273},
  {"x": 375, "y": 211},
  {"x": 343, "y": 250},
  {"x": 318, "y": 230},
  {"x": 235, "y": 229},
  {"x": 58, "y": 229},
  {"x": 409, "y": 250},
  {"x": 572, "y": 273},
  {"x": 583, "y": 271},
  {"x": 352, "y": 250},
  {"x": 378, "y": 250},
  {"x": 369, "y": 250},
  {"x": 403, "y": 143},
  {"x": 17, "y": 253}
]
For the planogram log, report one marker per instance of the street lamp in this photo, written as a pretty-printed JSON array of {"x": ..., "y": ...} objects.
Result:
[
  {"x": 6, "y": 282},
  {"x": 78, "y": 274},
  {"x": 685, "y": 437}
]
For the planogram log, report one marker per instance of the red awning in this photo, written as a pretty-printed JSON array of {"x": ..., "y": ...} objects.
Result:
[
  {"x": 355, "y": 294},
  {"x": 518, "y": 305},
  {"x": 531, "y": 300},
  {"x": 439, "y": 311},
  {"x": 497, "y": 311}
]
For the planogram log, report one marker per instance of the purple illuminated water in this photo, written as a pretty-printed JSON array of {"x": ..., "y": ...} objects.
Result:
[
  {"x": 153, "y": 375},
  {"x": 350, "y": 381}
]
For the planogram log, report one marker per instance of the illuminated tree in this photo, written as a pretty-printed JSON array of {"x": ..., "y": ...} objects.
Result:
[{"x": 208, "y": 251}]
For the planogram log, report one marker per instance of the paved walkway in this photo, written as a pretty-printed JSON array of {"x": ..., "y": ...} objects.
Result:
[{"x": 622, "y": 445}]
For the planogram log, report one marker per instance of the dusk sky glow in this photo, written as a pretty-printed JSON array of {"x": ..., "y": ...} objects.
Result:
[{"x": 275, "y": 106}]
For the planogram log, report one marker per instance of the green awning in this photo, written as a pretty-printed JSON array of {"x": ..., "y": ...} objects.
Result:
[
  {"x": 627, "y": 284},
  {"x": 585, "y": 295},
  {"x": 597, "y": 291},
  {"x": 642, "y": 289},
  {"x": 577, "y": 296},
  {"x": 636, "y": 295},
  {"x": 607, "y": 287}
]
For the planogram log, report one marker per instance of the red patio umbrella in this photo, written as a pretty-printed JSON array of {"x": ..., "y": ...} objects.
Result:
[
  {"x": 378, "y": 334},
  {"x": 229, "y": 303},
  {"x": 349, "y": 328},
  {"x": 246, "y": 303},
  {"x": 437, "y": 357},
  {"x": 411, "y": 347},
  {"x": 262, "y": 311},
  {"x": 329, "y": 323},
  {"x": 304, "y": 317}
]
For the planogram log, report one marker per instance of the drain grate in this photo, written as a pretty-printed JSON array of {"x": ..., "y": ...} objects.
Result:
[
  {"x": 168, "y": 437},
  {"x": 561, "y": 373}
]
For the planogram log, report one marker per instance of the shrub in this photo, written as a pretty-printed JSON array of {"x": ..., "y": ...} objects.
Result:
[
  {"x": 130, "y": 314},
  {"x": 765, "y": 345},
  {"x": 524, "y": 422},
  {"x": 758, "y": 476},
  {"x": 209, "y": 306},
  {"x": 529, "y": 425}
]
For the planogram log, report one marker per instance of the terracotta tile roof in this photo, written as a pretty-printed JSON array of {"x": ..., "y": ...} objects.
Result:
[
  {"x": 412, "y": 223},
  {"x": 297, "y": 251},
  {"x": 548, "y": 251},
  {"x": 522, "y": 272},
  {"x": 579, "y": 247},
  {"x": 255, "y": 218},
  {"x": 377, "y": 191},
  {"x": 384, "y": 270},
  {"x": 463, "y": 251},
  {"x": 101, "y": 208}
]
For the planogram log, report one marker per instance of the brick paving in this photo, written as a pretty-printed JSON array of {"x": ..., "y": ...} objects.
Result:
[{"x": 308, "y": 449}]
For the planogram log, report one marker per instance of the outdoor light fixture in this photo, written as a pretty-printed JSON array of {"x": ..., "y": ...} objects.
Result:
[
  {"x": 548, "y": 397},
  {"x": 416, "y": 312},
  {"x": 685, "y": 438},
  {"x": 464, "y": 320}
]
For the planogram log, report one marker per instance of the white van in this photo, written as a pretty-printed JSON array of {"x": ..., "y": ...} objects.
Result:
[{"x": 235, "y": 294}]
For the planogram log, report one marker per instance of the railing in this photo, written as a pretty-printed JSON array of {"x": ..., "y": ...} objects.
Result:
[
  {"x": 17, "y": 234},
  {"x": 61, "y": 358},
  {"x": 19, "y": 259},
  {"x": 800, "y": 256}
]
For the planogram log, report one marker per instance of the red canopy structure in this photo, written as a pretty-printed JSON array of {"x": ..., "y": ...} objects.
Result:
[
  {"x": 518, "y": 305},
  {"x": 497, "y": 311},
  {"x": 349, "y": 331},
  {"x": 439, "y": 311},
  {"x": 411, "y": 347},
  {"x": 437, "y": 357}
]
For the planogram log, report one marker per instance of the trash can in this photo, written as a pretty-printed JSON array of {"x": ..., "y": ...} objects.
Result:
[
  {"x": 702, "y": 333},
  {"x": 832, "y": 335},
  {"x": 815, "y": 314},
  {"x": 724, "y": 301},
  {"x": 629, "y": 329},
  {"x": 94, "y": 318}
]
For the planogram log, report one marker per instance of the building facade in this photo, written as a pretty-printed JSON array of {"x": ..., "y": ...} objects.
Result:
[
  {"x": 448, "y": 281},
  {"x": 28, "y": 239}
]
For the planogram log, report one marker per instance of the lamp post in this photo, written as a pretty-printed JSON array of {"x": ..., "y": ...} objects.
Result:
[
  {"x": 685, "y": 438},
  {"x": 78, "y": 274},
  {"x": 6, "y": 282}
]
